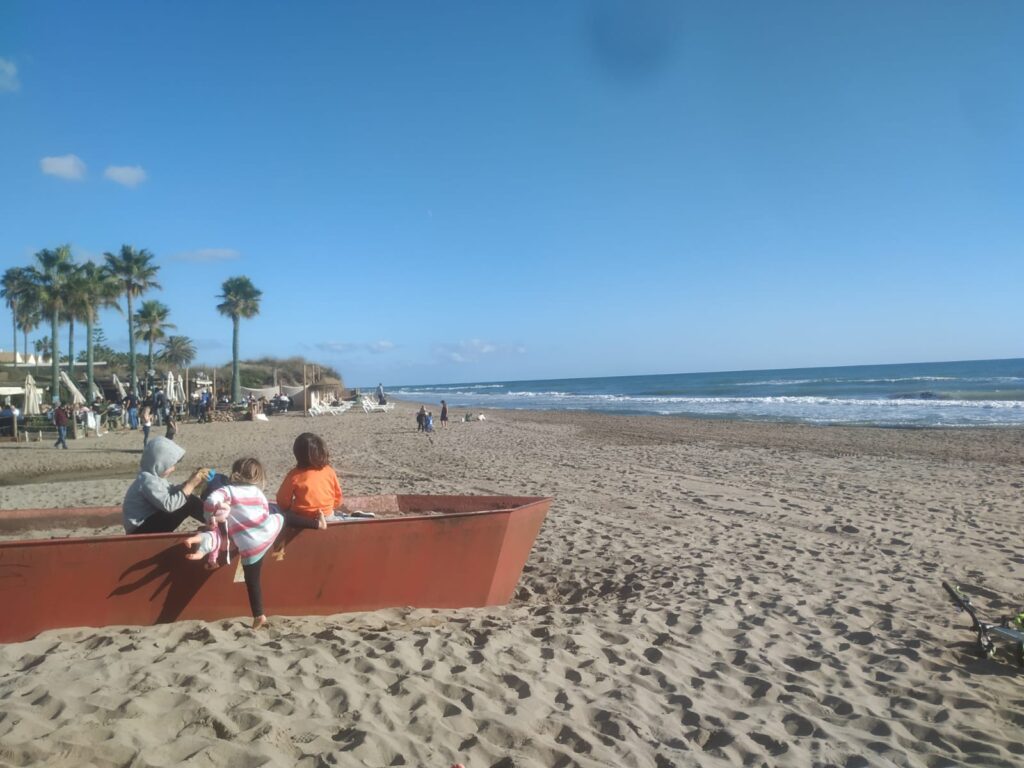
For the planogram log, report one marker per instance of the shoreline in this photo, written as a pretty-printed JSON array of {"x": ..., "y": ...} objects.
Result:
[{"x": 701, "y": 593}]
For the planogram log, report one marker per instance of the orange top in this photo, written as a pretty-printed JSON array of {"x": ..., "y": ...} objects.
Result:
[{"x": 308, "y": 491}]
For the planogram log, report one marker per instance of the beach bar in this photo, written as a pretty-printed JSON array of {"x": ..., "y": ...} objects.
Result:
[{"x": 419, "y": 551}]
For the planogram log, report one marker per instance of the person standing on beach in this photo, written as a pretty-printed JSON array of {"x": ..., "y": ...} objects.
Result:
[
  {"x": 444, "y": 414},
  {"x": 131, "y": 408},
  {"x": 381, "y": 399},
  {"x": 204, "y": 406},
  {"x": 60, "y": 420},
  {"x": 147, "y": 422}
]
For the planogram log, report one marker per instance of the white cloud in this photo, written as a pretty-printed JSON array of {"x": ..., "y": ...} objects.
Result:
[
  {"x": 8, "y": 76},
  {"x": 209, "y": 254},
  {"x": 68, "y": 167},
  {"x": 344, "y": 347},
  {"x": 126, "y": 175},
  {"x": 474, "y": 349}
]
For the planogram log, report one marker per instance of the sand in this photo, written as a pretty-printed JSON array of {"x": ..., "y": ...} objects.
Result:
[{"x": 702, "y": 593}]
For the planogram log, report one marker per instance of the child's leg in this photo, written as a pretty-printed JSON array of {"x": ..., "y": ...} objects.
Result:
[
  {"x": 201, "y": 543},
  {"x": 293, "y": 520},
  {"x": 255, "y": 590}
]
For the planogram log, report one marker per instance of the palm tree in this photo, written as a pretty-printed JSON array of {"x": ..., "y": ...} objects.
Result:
[
  {"x": 75, "y": 300},
  {"x": 29, "y": 315},
  {"x": 136, "y": 274},
  {"x": 102, "y": 290},
  {"x": 49, "y": 274},
  {"x": 178, "y": 351},
  {"x": 240, "y": 299},
  {"x": 42, "y": 346},
  {"x": 150, "y": 324},
  {"x": 14, "y": 287}
]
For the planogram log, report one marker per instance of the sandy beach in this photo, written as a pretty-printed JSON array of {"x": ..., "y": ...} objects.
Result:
[{"x": 702, "y": 593}]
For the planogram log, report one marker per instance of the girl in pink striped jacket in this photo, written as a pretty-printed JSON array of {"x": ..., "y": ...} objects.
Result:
[{"x": 238, "y": 512}]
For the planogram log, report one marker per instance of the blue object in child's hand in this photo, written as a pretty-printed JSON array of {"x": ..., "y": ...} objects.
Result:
[{"x": 210, "y": 475}]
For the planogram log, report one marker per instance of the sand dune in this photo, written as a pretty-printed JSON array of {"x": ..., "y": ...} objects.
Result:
[{"x": 702, "y": 593}]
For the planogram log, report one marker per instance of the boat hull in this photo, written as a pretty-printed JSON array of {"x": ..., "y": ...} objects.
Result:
[{"x": 469, "y": 551}]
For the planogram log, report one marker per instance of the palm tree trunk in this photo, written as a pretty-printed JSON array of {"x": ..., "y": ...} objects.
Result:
[
  {"x": 71, "y": 348},
  {"x": 131, "y": 345},
  {"x": 89, "y": 386},
  {"x": 54, "y": 358},
  {"x": 236, "y": 384},
  {"x": 25, "y": 332},
  {"x": 151, "y": 354},
  {"x": 14, "y": 321}
]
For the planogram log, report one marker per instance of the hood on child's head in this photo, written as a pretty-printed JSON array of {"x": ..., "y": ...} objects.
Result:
[{"x": 160, "y": 455}]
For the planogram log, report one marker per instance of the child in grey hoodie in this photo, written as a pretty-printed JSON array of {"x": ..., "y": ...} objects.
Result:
[{"x": 152, "y": 504}]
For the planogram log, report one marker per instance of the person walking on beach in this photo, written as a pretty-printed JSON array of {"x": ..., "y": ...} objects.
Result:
[
  {"x": 444, "y": 414},
  {"x": 421, "y": 418},
  {"x": 381, "y": 399},
  {"x": 60, "y": 420},
  {"x": 242, "y": 509}
]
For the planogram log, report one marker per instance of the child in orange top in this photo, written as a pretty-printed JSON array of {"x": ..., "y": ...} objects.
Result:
[{"x": 311, "y": 490}]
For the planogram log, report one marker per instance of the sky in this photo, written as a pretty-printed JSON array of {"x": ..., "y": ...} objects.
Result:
[{"x": 451, "y": 192}]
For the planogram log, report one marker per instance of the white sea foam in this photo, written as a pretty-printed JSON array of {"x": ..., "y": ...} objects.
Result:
[{"x": 810, "y": 409}]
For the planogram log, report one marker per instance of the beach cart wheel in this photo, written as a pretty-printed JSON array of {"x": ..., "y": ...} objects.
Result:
[{"x": 986, "y": 648}]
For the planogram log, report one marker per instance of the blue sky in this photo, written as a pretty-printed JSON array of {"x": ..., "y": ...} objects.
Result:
[{"x": 431, "y": 192}]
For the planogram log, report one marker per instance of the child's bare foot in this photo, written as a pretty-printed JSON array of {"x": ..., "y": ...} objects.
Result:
[
  {"x": 259, "y": 621},
  {"x": 192, "y": 544},
  {"x": 321, "y": 521}
]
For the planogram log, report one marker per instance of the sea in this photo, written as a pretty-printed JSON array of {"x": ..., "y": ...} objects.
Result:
[{"x": 976, "y": 393}]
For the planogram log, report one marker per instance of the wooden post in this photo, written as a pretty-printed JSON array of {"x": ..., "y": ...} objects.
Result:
[
  {"x": 305, "y": 392},
  {"x": 214, "y": 396}
]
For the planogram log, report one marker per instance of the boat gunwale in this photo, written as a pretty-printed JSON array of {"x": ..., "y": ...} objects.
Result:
[{"x": 398, "y": 517}]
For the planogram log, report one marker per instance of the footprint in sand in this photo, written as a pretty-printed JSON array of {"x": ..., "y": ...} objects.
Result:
[
  {"x": 517, "y": 684},
  {"x": 568, "y": 736},
  {"x": 797, "y": 725}
]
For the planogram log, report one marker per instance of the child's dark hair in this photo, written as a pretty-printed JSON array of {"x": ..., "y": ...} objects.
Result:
[
  {"x": 248, "y": 472},
  {"x": 310, "y": 451}
]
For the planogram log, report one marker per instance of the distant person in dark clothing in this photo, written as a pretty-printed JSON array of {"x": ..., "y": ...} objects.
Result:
[
  {"x": 131, "y": 407},
  {"x": 421, "y": 418},
  {"x": 60, "y": 420},
  {"x": 444, "y": 414}
]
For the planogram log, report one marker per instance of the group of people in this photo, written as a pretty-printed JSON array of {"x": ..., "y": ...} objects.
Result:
[
  {"x": 155, "y": 404},
  {"x": 233, "y": 508},
  {"x": 425, "y": 418}
]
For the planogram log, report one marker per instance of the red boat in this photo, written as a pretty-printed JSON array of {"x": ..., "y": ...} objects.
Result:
[{"x": 419, "y": 551}]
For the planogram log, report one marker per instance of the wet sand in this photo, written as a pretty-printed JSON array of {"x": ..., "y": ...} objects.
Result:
[{"x": 702, "y": 593}]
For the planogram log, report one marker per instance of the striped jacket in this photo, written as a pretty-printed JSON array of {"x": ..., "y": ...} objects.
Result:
[{"x": 244, "y": 510}]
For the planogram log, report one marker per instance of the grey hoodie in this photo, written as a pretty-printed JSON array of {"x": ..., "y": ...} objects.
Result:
[{"x": 151, "y": 493}]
